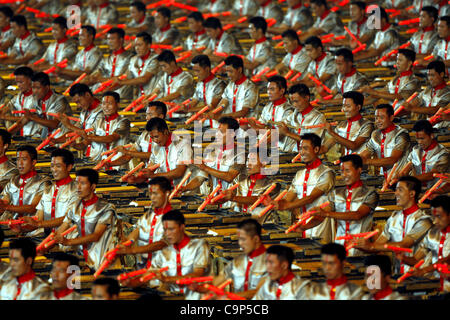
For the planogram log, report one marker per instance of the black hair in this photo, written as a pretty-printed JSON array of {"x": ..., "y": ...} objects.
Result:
[
  {"x": 280, "y": 81},
  {"x": 91, "y": 174},
  {"x": 232, "y": 123},
  {"x": 61, "y": 21},
  {"x": 166, "y": 56},
  {"x": 2, "y": 237},
  {"x": 212, "y": 23},
  {"x": 259, "y": 23},
  {"x": 300, "y": 88},
  {"x": 113, "y": 94},
  {"x": 383, "y": 14},
  {"x": 162, "y": 182},
  {"x": 25, "y": 245},
  {"x": 319, "y": 3},
  {"x": 7, "y": 11},
  {"x": 160, "y": 107},
  {"x": 360, "y": 4},
  {"x": 357, "y": 97},
  {"x": 156, "y": 123},
  {"x": 20, "y": 20},
  {"x": 346, "y": 53},
  {"x": 235, "y": 61},
  {"x": 432, "y": 12},
  {"x": 413, "y": 184},
  {"x": 145, "y": 36},
  {"x": 30, "y": 150},
  {"x": 408, "y": 53},
  {"x": 6, "y": 136},
  {"x": 112, "y": 285},
  {"x": 64, "y": 256},
  {"x": 164, "y": 12},
  {"x": 437, "y": 66},
  {"x": 442, "y": 201},
  {"x": 24, "y": 71},
  {"x": 446, "y": 19},
  {"x": 283, "y": 253},
  {"x": 382, "y": 261},
  {"x": 355, "y": 159},
  {"x": 139, "y": 6},
  {"x": 42, "y": 78},
  {"x": 388, "y": 107},
  {"x": 91, "y": 30},
  {"x": 314, "y": 138},
  {"x": 197, "y": 16},
  {"x": 251, "y": 227},
  {"x": 174, "y": 215},
  {"x": 118, "y": 31},
  {"x": 423, "y": 125},
  {"x": 202, "y": 60},
  {"x": 80, "y": 89},
  {"x": 67, "y": 156},
  {"x": 315, "y": 42},
  {"x": 291, "y": 34},
  {"x": 334, "y": 249}
]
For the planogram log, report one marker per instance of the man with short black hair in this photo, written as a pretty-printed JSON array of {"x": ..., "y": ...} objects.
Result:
[
  {"x": 105, "y": 289},
  {"x": 326, "y": 21},
  {"x": 140, "y": 21},
  {"x": 21, "y": 282},
  {"x": 404, "y": 228},
  {"x": 7, "y": 167},
  {"x": 27, "y": 47},
  {"x": 424, "y": 41},
  {"x": 336, "y": 286},
  {"x": 197, "y": 37},
  {"x": 23, "y": 192},
  {"x": 7, "y": 36},
  {"x": 353, "y": 205},
  {"x": 165, "y": 33},
  {"x": 101, "y": 12},
  {"x": 441, "y": 50},
  {"x": 280, "y": 283}
]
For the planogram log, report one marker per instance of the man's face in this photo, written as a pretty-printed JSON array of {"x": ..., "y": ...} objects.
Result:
[
  {"x": 434, "y": 78},
  {"x": 173, "y": 232},
  {"x": 4, "y": 20},
  {"x": 115, "y": 42},
  {"x": 85, "y": 38},
  {"x": 425, "y": 19},
  {"x": 157, "y": 196},
  {"x": 84, "y": 187},
  {"x": 100, "y": 292},
  {"x": 441, "y": 219},
  {"x": 318, "y": 10},
  {"x": 382, "y": 119},
  {"x": 274, "y": 92},
  {"x": 349, "y": 108},
  {"x": 246, "y": 242},
  {"x": 312, "y": 52},
  {"x": 356, "y": 13},
  {"x": 350, "y": 173},
  {"x": 152, "y": 112},
  {"x": 39, "y": 90},
  {"x": 166, "y": 67},
  {"x": 59, "y": 275},
  {"x": 403, "y": 64},
  {"x": 201, "y": 72},
  {"x": 141, "y": 47},
  {"x": 275, "y": 268},
  {"x": 19, "y": 266},
  {"x": 194, "y": 25},
  {"x": 17, "y": 30},
  {"x": 58, "y": 32},
  {"x": 254, "y": 34},
  {"x": 332, "y": 267},
  {"x": 423, "y": 139},
  {"x": 109, "y": 105},
  {"x": 83, "y": 101},
  {"x": 212, "y": 33},
  {"x": 308, "y": 151},
  {"x": 224, "y": 135},
  {"x": 160, "y": 138},
  {"x": 135, "y": 14},
  {"x": 160, "y": 20},
  {"x": 23, "y": 83},
  {"x": 299, "y": 102},
  {"x": 343, "y": 66},
  {"x": 289, "y": 44},
  {"x": 443, "y": 29},
  {"x": 24, "y": 162},
  {"x": 59, "y": 169},
  {"x": 232, "y": 73},
  {"x": 403, "y": 195}
]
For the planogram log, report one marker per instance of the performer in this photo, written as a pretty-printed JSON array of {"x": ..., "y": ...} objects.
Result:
[
  {"x": 441, "y": 50},
  {"x": 165, "y": 33},
  {"x": 336, "y": 286},
  {"x": 352, "y": 206},
  {"x": 389, "y": 143},
  {"x": 7, "y": 36},
  {"x": 268, "y": 9},
  {"x": 246, "y": 8},
  {"x": 424, "y": 41},
  {"x": 100, "y": 13},
  {"x": 383, "y": 291},
  {"x": 140, "y": 21},
  {"x": 297, "y": 17},
  {"x": 198, "y": 37},
  {"x": 406, "y": 227},
  {"x": 95, "y": 220},
  {"x": 105, "y": 289},
  {"x": 62, "y": 271},
  {"x": 23, "y": 192},
  {"x": 7, "y": 167},
  {"x": 353, "y": 133},
  {"x": 310, "y": 188},
  {"x": 280, "y": 283},
  {"x": 22, "y": 282}
]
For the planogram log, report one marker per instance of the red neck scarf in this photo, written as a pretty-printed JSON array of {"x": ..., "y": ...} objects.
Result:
[
  {"x": 89, "y": 47},
  {"x": 160, "y": 211},
  {"x": 28, "y": 93},
  {"x": 90, "y": 202},
  {"x": 352, "y": 72},
  {"x": 432, "y": 145},
  {"x": 176, "y": 72},
  {"x": 208, "y": 78},
  {"x": 112, "y": 117},
  {"x": 386, "y": 27},
  {"x": 321, "y": 57},
  {"x": 325, "y": 14},
  {"x": 440, "y": 86},
  {"x": 411, "y": 210},
  {"x": 261, "y": 40},
  {"x": 241, "y": 80},
  {"x": 296, "y": 50},
  {"x": 428, "y": 29},
  {"x": 62, "y": 293},
  {"x": 383, "y": 293},
  {"x": 117, "y": 52},
  {"x": 3, "y": 159},
  {"x": 279, "y": 101},
  {"x": 183, "y": 243},
  {"x": 4, "y": 29},
  {"x": 314, "y": 164},
  {"x": 389, "y": 129},
  {"x": 28, "y": 175},
  {"x": 62, "y": 40},
  {"x": 25, "y": 35},
  {"x": 165, "y": 28},
  {"x": 64, "y": 181},
  {"x": 355, "y": 185},
  {"x": 307, "y": 110}
]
